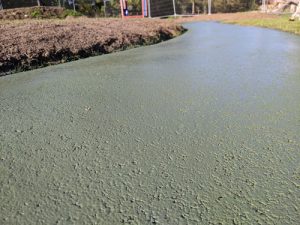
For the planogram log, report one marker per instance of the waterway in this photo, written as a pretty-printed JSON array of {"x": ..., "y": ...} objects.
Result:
[{"x": 202, "y": 129}]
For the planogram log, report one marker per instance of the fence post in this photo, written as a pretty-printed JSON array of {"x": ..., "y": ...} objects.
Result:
[
  {"x": 122, "y": 8},
  {"x": 104, "y": 5},
  {"x": 264, "y": 8},
  {"x": 149, "y": 9},
  {"x": 209, "y": 7},
  {"x": 174, "y": 7}
]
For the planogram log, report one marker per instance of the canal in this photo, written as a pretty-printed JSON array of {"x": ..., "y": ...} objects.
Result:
[{"x": 202, "y": 129}]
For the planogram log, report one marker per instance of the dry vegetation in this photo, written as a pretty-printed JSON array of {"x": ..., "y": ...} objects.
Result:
[{"x": 28, "y": 44}]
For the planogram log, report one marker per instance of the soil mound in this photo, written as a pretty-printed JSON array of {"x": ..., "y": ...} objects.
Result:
[{"x": 29, "y": 44}]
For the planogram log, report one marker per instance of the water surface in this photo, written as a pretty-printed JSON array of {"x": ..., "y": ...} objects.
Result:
[{"x": 202, "y": 129}]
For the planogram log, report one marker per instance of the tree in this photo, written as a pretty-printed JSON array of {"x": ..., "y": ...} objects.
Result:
[{"x": 38, "y": 2}]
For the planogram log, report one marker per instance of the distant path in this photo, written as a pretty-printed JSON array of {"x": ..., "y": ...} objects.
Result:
[{"x": 202, "y": 129}]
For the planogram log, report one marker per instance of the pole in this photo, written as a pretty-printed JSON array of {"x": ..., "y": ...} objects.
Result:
[
  {"x": 209, "y": 7},
  {"x": 1, "y": 7},
  {"x": 264, "y": 6},
  {"x": 122, "y": 8},
  {"x": 149, "y": 9},
  {"x": 74, "y": 6},
  {"x": 104, "y": 4},
  {"x": 143, "y": 8},
  {"x": 174, "y": 7}
]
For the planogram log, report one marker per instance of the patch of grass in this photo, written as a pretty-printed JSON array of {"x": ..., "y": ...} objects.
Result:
[
  {"x": 279, "y": 23},
  {"x": 36, "y": 13},
  {"x": 69, "y": 12}
]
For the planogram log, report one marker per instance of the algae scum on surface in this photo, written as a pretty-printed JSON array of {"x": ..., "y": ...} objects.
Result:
[{"x": 203, "y": 129}]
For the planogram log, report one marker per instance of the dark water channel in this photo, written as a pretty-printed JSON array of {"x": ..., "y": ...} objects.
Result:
[{"x": 202, "y": 129}]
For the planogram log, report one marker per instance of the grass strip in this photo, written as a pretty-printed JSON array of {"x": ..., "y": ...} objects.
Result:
[{"x": 279, "y": 23}]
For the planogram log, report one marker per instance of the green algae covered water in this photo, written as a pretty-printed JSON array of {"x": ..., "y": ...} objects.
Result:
[{"x": 202, "y": 129}]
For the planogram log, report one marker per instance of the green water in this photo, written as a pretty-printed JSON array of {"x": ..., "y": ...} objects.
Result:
[{"x": 202, "y": 129}]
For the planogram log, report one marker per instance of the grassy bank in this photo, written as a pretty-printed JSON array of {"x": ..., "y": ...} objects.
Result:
[
  {"x": 279, "y": 23},
  {"x": 254, "y": 18}
]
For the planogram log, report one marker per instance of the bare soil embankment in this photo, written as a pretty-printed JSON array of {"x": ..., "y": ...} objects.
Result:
[{"x": 30, "y": 44}]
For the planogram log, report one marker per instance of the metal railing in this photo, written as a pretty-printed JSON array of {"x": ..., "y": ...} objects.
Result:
[{"x": 161, "y": 8}]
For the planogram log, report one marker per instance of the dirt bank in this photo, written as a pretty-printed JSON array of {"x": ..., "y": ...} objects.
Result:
[{"x": 29, "y": 44}]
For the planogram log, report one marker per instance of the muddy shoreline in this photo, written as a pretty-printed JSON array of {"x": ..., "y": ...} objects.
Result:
[{"x": 31, "y": 44}]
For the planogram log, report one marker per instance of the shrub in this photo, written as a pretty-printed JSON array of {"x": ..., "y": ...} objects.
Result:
[{"x": 36, "y": 13}]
